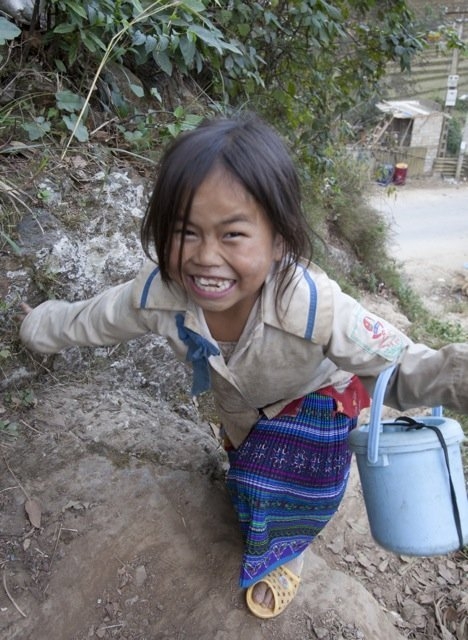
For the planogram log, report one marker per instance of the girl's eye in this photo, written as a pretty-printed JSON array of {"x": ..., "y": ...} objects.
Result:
[
  {"x": 234, "y": 234},
  {"x": 180, "y": 231}
]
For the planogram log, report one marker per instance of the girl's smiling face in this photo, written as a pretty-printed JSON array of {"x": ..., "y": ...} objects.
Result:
[{"x": 228, "y": 249}]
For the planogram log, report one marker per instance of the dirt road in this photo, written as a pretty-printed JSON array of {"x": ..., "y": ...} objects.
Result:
[
  {"x": 430, "y": 225},
  {"x": 430, "y": 239}
]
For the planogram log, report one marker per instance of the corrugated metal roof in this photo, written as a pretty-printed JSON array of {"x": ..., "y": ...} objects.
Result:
[{"x": 405, "y": 108}]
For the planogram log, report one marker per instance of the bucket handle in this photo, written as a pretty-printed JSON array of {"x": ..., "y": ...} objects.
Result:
[{"x": 376, "y": 414}]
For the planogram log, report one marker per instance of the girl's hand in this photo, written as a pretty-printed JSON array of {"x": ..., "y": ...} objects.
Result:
[{"x": 25, "y": 308}]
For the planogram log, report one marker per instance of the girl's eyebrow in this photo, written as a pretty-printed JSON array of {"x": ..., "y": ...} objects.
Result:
[
  {"x": 238, "y": 217},
  {"x": 234, "y": 219}
]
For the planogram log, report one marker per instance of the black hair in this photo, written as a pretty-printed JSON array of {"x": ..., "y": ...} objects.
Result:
[{"x": 251, "y": 152}]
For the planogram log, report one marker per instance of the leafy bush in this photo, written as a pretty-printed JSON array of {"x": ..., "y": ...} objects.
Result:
[
  {"x": 170, "y": 34},
  {"x": 81, "y": 38},
  {"x": 303, "y": 63},
  {"x": 317, "y": 60}
]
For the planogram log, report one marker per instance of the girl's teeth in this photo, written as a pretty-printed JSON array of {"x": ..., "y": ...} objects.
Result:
[{"x": 212, "y": 284}]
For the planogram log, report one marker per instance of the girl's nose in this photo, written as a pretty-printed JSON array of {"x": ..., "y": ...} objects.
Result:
[{"x": 207, "y": 253}]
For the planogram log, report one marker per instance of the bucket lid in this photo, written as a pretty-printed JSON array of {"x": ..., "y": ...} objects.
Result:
[{"x": 395, "y": 437}]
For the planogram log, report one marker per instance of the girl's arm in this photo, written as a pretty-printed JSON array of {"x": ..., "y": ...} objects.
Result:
[
  {"x": 108, "y": 318},
  {"x": 365, "y": 344}
]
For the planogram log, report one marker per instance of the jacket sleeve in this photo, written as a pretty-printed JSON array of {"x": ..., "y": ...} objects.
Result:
[
  {"x": 428, "y": 377},
  {"x": 105, "y": 319},
  {"x": 365, "y": 344}
]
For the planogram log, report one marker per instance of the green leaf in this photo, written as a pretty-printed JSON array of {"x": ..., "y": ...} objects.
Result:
[
  {"x": 69, "y": 101},
  {"x": 194, "y": 5},
  {"x": 133, "y": 136},
  {"x": 173, "y": 129},
  {"x": 150, "y": 43},
  {"x": 11, "y": 242},
  {"x": 187, "y": 48},
  {"x": 64, "y": 28},
  {"x": 9, "y": 428},
  {"x": 243, "y": 29},
  {"x": 81, "y": 133},
  {"x": 163, "y": 43},
  {"x": 8, "y": 30},
  {"x": 60, "y": 66},
  {"x": 211, "y": 37},
  {"x": 333, "y": 12},
  {"x": 72, "y": 51},
  {"x": 162, "y": 59},
  {"x": 190, "y": 121},
  {"x": 88, "y": 41},
  {"x": 155, "y": 93},
  {"x": 75, "y": 7},
  {"x": 37, "y": 128},
  {"x": 138, "y": 38},
  {"x": 137, "y": 90},
  {"x": 91, "y": 41}
]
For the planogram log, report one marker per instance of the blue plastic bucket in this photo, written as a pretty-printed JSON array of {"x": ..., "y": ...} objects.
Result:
[{"x": 415, "y": 503}]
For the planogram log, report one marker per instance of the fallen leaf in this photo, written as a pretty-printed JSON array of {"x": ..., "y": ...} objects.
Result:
[
  {"x": 406, "y": 558},
  {"x": 140, "y": 576},
  {"x": 426, "y": 598},
  {"x": 383, "y": 565},
  {"x": 363, "y": 560},
  {"x": 34, "y": 511},
  {"x": 124, "y": 577},
  {"x": 414, "y": 613},
  {"x": 448, "y": 575},
  {"x": 337, "y": 545},
  {"x": 358, "y": 527},
  {"x": 462, "y": 630},
  {"x": 75, "y": 504},
  {"x": 446, "y": 635}
]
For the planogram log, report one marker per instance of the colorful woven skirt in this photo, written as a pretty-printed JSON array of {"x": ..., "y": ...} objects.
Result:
[{"x": 286, "y": 481}]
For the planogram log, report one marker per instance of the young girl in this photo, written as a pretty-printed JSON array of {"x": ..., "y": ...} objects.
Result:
[{"x": 289, "y": 357}]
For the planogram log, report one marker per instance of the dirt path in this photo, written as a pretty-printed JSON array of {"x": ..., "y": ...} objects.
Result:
[
  {"x": 430, "y": 238},
  {"x": 134, "y": 535}
]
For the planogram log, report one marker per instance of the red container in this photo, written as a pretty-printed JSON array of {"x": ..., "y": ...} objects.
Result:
[{"x": 400, "y": 173}]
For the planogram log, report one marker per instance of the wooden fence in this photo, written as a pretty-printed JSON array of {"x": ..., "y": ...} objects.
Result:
[
  {"x": 414, "y": 158},
  {"x": 447, "y": 167}
]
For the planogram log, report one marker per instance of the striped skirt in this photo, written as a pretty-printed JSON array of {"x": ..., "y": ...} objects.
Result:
[{"x": 286, "y": 481}]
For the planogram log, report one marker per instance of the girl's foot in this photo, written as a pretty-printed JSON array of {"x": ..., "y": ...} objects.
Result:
[{"x": 261, "y": 592}]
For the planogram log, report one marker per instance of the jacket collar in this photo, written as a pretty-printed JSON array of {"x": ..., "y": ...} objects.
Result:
[{"x": 295, "y": 312}]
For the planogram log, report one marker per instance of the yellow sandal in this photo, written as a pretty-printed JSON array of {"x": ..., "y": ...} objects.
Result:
[{"x": 283, "y": 584}]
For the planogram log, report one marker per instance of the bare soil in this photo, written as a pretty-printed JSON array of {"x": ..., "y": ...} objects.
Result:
[{"x": 115, "y": 522}]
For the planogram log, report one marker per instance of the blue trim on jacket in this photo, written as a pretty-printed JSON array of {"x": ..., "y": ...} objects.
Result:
[
  {"x": 146, "y": 288},
  {"x": 312, "y": 304}
]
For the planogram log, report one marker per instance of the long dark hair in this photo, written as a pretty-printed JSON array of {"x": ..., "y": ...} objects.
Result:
[{"x": 249, "y": 150}]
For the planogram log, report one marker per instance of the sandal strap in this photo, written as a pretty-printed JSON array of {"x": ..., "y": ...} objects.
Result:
[{"x": 283, "y": 584}]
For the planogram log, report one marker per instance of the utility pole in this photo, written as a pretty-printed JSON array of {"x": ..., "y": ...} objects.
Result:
[{"x": 451, "y": 96}]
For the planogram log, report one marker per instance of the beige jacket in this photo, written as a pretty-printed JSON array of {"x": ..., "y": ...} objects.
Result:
[{"x": 317, "y": 336}]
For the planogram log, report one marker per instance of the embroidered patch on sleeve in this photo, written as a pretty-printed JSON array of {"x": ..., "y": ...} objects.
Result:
[{"x": 373, "y": 335}]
